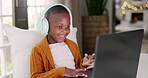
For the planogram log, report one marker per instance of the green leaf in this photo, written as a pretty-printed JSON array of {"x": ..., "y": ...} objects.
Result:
[{"x": 96, "y": 7}]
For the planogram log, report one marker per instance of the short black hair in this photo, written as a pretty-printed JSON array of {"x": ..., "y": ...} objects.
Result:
[{"x": 56, "y": 9}]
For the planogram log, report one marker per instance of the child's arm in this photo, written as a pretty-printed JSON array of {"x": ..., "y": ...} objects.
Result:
[{"x": 40, "y": 69}]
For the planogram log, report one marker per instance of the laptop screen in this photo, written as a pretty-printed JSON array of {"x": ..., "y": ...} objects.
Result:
[{"x": 117, "y": 55}]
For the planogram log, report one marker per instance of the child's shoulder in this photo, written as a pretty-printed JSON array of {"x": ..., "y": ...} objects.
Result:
[
  {"x": 42, "y": 42},
  {"x": 68, "y": 41}
]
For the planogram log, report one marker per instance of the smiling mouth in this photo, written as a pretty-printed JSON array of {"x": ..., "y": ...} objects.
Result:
[{"x": 62, "y": 36}]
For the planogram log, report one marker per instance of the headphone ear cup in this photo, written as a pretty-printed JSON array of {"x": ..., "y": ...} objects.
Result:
[{"x": 43, "y": 26}]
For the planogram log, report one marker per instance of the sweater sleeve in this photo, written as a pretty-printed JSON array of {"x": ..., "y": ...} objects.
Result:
[
  {"x": 37, "y": 69},
  {"x": 78, "y": 59}
]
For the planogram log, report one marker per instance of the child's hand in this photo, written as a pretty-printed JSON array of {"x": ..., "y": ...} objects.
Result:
[
  {"x": 74, "y": 72},
  {"x": 88, "y": 60}
]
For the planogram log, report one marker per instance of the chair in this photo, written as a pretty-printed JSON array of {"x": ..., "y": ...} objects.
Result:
[{"x": 22, "y": 42}]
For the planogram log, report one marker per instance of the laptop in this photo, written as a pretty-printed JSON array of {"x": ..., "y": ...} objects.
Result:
[{"x": 117, "y": 55}]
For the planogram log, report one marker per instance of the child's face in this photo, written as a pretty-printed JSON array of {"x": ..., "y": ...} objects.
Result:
[{"x": 59, "y": 27}]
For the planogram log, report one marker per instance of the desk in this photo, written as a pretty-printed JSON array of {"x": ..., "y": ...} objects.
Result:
[
  {"x": 142, "y": 71},
  {"x": 143, "y": 66}
]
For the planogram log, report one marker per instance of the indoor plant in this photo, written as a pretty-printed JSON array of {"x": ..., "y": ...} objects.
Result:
[
  {"x": 96, "y": 23},
  {"x": 96, "y": 7}
]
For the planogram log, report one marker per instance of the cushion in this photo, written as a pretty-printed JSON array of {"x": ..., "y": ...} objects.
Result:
[
  {"x": 72, "y": 35},
  {"x": 22, "y": 42}
]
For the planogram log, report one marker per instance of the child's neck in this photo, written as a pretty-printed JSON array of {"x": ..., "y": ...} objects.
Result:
[{"x": 51, "y": 40}]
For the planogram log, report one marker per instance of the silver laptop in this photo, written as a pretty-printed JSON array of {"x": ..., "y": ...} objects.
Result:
[{"x": 117, "y": 55}]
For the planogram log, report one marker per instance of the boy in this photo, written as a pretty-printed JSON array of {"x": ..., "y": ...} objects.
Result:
[{"x": 56, "y": 56}]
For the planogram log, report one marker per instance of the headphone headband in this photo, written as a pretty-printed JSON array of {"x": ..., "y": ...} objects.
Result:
[{"x": 43, "y": 25}]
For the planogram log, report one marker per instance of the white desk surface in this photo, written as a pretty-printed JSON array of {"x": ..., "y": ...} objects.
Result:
[{"x": 143, "y": 66}]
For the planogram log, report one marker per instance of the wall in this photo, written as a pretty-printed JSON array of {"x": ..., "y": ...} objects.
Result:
[
  {"x": 84, "y": 8},
  {"x": 110, "y": 6}
]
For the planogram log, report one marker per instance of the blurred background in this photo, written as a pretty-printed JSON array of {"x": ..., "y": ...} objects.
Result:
[{"x": 90, "y": 17}]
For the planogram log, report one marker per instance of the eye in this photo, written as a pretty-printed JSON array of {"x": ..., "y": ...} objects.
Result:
[
  {"x": 67, "y": 26},
  {"x": 59, "y": 27}
]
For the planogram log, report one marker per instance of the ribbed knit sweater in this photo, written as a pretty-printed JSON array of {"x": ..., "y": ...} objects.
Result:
[{"x": 41, "y": 60}]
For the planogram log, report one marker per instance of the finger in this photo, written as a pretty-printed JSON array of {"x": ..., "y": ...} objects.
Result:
[
  {"x": 90, "y": 60},
  {"x": 84, "y": 69},
  {"x": 86, "y": 56},
  {"x": 74, "y": 75},
  {"x": 89, "y": 63},
  {"x": 81, "y": 70},
  {"x": 82, "y": 75},
  {"x": 89, "y": 56},
  {"x": 92, "y": 63},
  {"x": 85, "y": 76},
  {"x": 92, "y": 56}
]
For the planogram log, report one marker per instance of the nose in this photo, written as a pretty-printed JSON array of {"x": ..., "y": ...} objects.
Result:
[{"x": 65, "y": 30}]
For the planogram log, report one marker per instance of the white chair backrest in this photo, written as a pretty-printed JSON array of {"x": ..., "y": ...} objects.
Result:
[{"x": 22, "y": 42}]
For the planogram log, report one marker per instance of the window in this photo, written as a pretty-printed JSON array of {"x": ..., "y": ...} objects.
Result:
[
  {"x": 35, "y": 7},
  {"x": 5, "y": 55},
  {"x": 6, "y": 11}
]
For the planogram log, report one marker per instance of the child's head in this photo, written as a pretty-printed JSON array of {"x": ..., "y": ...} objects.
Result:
[{"x": 59, "y": 23}]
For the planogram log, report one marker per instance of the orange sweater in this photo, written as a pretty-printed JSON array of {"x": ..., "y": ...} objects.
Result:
[{"x": 42, "y": 64}]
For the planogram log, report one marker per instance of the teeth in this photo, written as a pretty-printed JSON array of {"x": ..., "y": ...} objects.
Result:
[{"x": 62, "y": 35}]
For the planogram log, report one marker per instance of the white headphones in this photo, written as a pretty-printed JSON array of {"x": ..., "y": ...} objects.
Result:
[{"x": 43, "y": 25}]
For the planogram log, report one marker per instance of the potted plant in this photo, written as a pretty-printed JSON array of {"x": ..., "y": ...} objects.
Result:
[
  {"x": 96, "y": 23},
  {"x": 96, "y": 7}
]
